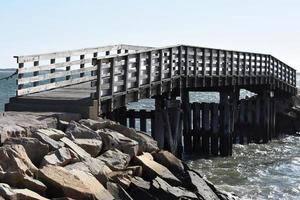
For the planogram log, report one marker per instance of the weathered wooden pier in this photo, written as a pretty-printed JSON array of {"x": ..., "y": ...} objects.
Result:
[{"x": 101, "y": 81}]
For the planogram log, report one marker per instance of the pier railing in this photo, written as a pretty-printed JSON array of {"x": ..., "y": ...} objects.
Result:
[{"x": 146, "y": 71}]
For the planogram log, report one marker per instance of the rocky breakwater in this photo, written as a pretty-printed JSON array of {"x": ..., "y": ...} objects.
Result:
[{"x": 50, "y": 156}]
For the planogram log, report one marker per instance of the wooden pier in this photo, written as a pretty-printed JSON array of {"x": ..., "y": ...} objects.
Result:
[{"x": 101, "y": 81}]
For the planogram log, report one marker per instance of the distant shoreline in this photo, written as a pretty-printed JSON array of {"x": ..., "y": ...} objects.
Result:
[{"x": 8, "y": 70}]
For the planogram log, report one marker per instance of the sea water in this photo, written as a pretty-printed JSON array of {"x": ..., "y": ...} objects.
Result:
[{"x": 255, "y": 171}]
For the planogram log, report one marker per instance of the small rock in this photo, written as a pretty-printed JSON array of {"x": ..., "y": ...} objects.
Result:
[
  {"x": 77, "y": 149},
  {"x": 53, "y": 145},
  {"x": 28, "y": 195},
  {"x": 60, "y": 157},
  {"x": 6, "y": 192},
  {"x": 13, "y": 158},
  {"x": 92, "y": 146},
  {"x": 140, "y": 189},
  {"x": 118, "y": 192},
  {"x": 115, "y": 159},
  {"x": 52, "y": 133},
  {"x": 146, "y": 142},
  {"x": 31, "y": 145},
  {"x": 61, "y": 180},
  {"x": 163, "y": 190},
  {"x": 76, "y": 130},
  {"x": 112, "y": 139},
  {"x": 93, "y": 184},
  {"x": 96, "y": 124},
  {"x": 151, "y": 169}
]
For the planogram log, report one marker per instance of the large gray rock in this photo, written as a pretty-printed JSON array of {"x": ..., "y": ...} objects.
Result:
[
  {"x": 60, "y": 157},
  {"x": 13, "y": 158},
  {"x": 112, "y": 139},
  {"x": 52, "y": 133},
  {"x": 94, "y": 166},
  {"x": 53, "y": 145},
  {"x": 35, "y": 149},
  {"x": 93, "y": 184},
  {"x": 146, "y": 142},
  {"x": 7, "y": 192},
  {"x": 77, "y": 149},
  {"x": 76, "y": 130},
  {"x": 151, "y": 169},
  {"x": 115, "y": 159},
  {"x": 165, "y": 191},
  {"x": 96, "y": 124},
  {"x": 61, "y": 180},
  {"x": 92, "y": 146},
  {"x": 28, "y": 195}
]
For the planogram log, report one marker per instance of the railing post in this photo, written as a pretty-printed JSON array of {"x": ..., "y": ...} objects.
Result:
[{"x": 98, "y": 86}]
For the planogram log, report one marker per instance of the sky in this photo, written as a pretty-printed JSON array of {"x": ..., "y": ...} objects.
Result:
[{"x": 42, "y": 26}]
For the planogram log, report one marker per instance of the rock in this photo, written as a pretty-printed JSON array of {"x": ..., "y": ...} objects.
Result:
[
  {"x": 76, "y": 130},
  {"x": 31, "y": 145},
  {"x": 112, "y": 139},
  {"x": 34, "y": 185},
  {"x": 6, "y": 192},
  {"x": 28, "y": 194},
  {"x": 13, "y": 158},
  {"x": 140, "y": 189},
  {"x": 93, "y": 184},
  {"x": 118, "y": 192},
  {"x": 115, "y": 159},
  {"x": 146, "y": 143},
  {"x": 53, "y": 145},
  {"x": 52, "y": 133},
  {"x": 61, "y": 180},
  {"x": 60, "y": 157},
  {"x": 151, "y": 169},
  {"x": 202, "y": 188},
  {"x": 171, "y": 162},
  {"x": 163, "y": 190},
  {"x": 92, "y": 146},
  {"x": 77, "y": 149},
  {"x": 94, "y": 166},
  {"x": 96, "y": 124},
  {"x": 62, "y": 125}
]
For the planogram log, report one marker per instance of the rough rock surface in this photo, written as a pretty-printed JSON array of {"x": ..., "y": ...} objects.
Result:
[
  {"x": 52, "y": 133},
  {"x": 53, "y": 145},
  {"x": 77, "y": 149},
  {"x": 112, "y": 139},
  {"x": 92, "y": 146},
  {"x": 76, "y": 130},
  {"x": 151, "y": 169},
  {"x": 60, "y": 179},
  {"x": 115, "y": 159},
  {"x": 60, "y": 157},
  {"x": 31, "y": 146},
  {"x": 6, "y": 192},
  {"x": 13, "y": 158},
  {"x": 28, "y": 195},
  {"x": 96, "y": 124}
]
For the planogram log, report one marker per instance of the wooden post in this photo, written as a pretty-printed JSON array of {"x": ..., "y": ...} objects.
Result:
[
  {"x": 36, "y": 73},
  {"x": 143, "y": 121},
  {"x": 196, "y": 128},
  {"x": 214, "y": 129},
  {"x": 52, "y": 61},
  {"x": 242, "y": 121},
  {"x": 205, "y": 129},
  {"x": 131, "y": 118},
  {"x": 159, "y": 124},
  {"x": 187, "y": 138}
]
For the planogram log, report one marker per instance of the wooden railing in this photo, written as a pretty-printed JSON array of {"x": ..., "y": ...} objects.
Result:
[
  {"x": 42, "y": 72},
  {"x": 123, "y": 69}
]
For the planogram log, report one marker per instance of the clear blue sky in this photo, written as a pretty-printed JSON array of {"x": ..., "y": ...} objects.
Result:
[{"x": 40, "y": 26}]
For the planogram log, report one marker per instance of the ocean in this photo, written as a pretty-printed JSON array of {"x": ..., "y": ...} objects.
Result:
[{"x": 265, "y": 171}]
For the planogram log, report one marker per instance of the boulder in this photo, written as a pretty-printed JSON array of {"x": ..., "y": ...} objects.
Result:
[
  {"x": 28, "y": 194},
  {"x": 163, "y": 190},
  {"x": 60, "y": 157},
  {"x": 77, "y": 149},
  {"x": 151, "y": 169},
  {"x": 6, "y": 192},
  {"x": 94, "y": 166},
  {"x": 61, "y": 180},
  {"x": 96, "y": 124},
  {"x": 76, "y": 130},
  {"x": 52, "y": 133},
  {"x": 171, "y": 162},
  {"x": 13, "y": 158},
  {"x": 146, "y": 142},
  {"x": 115, "y": 159},
  {"x": 117, "y": 191},
  {"x": 140, "y": 189},
  {"x": 112, "y": 139},
  {"x": 53, "y": 145},
  {"x": 93, "y": 184},
  {"x": 31, "y": 145},
  {"x": 34, "y": 185},
  {"x": 92, "y": 146}
]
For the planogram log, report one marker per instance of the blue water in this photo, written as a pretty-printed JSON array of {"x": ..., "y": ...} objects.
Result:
[{"x": 266, "y": 171}]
